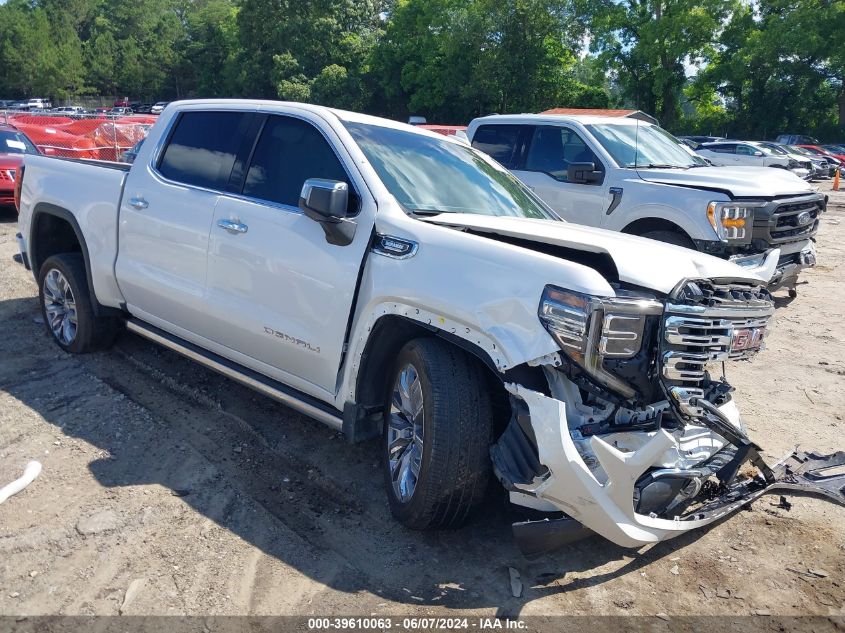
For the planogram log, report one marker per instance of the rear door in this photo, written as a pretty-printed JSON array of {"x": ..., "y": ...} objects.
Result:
[
  {"x": 166, "y": 215},
  {"x": 277, "y": 292},
  {"x": 543, "y": 166}
]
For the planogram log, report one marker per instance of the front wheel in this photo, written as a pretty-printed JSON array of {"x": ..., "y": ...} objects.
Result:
[{"x": 437, "y": 431}]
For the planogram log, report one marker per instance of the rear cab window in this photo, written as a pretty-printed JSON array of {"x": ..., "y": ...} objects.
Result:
[
  {"x": 500, "y": 142},
  {"x": 202, "y": 147}
]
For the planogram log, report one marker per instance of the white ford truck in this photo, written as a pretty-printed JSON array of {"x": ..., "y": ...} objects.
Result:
[
  {"x": 389, "y": 281},
  {"x": 628, "y": 175}
]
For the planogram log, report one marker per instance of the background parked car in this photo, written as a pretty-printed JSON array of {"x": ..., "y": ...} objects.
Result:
[
  {"x": 799, "y": 164},
  {"x": 69, "y": 111},
  {"x": 832, "y": 162},
  {"x": 695, "y": 141},
  {"x": 39, "y": 104},
  {"x": 795, "y": 139},
  {"x": 14, "y": 144},
  {"x": 158, "y": 107},
  {"x": 818, "y": 150},
  {"x": 120, "y": 112},
  {"x": 742, "y": 153},
  {"x": 121, "y": 103}
]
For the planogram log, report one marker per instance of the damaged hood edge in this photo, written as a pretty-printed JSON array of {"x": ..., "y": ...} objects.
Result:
[{"x": 638, "y": 260}]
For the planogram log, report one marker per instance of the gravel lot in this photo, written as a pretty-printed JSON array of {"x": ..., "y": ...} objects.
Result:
[{"x": 167, "y": 489}]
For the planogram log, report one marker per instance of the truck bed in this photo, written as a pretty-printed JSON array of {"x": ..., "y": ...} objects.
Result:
[{"x": 88, "y": 190}]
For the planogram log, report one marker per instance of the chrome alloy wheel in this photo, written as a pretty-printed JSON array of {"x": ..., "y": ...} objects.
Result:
[
  {"x": 60, "y": 307},
  {"x": 405, "y": 433}
]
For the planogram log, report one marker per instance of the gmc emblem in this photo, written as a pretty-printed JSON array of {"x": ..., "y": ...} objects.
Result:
[{"x": 747, "y": 338}]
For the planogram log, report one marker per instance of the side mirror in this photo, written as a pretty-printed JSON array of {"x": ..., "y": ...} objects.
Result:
[
  {"x": 758, "y": 153},
  {"x": 325, "y": 201},
  {"x": 583, "y": 173}
]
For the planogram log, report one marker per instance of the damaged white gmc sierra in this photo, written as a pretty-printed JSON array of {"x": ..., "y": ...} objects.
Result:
[{"x": 386, "y": 280}]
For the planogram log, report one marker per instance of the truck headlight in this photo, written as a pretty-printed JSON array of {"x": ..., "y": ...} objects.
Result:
[
  {"x": 732, "y": 220},
  {"x": 591, "y": 329}
]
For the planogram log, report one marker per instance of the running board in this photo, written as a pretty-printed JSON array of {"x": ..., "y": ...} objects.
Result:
[{"x": 288, "y": 396}]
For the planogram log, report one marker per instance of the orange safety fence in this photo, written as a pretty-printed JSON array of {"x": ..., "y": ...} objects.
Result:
[{"x": 93, "y": 137}]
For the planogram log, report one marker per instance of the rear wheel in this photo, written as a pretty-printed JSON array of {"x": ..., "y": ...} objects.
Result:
[
  {"x": 670, "y": 237},
  {"x": 66, "y": 306},
  {"x": 437, "y": 432}
]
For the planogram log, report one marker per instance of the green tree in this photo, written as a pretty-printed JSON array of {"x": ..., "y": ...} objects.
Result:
[
  {"x": 455, "y": 59},
  {"x": 648, "y": 44},
  {"x": 778, "y": 70},
  {"x": 306, "y": 49},
  {"x": 207, "y": 64}
]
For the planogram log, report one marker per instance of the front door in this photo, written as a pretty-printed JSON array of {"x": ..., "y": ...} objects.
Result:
[{"x": 550, "y": 151}]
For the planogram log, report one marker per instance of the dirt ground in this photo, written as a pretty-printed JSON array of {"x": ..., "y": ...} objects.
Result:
[{"x": 167, "y": 489}]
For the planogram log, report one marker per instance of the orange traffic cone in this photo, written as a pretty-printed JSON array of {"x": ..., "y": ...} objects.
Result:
[{"x": 836, "y": 179}]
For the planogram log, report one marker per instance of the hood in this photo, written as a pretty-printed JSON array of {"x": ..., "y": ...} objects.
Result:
[
  {"x": 638, "y": 260},
  {"x": 738, "y": 182}
]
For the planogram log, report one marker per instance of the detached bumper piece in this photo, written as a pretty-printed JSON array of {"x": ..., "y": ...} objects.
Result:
[{"x": 614, "y": 507}]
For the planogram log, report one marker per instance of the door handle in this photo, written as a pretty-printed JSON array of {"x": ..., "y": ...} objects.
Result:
[
  {"x": 232, "y": 226},
  {"x": 138, "y": 203}
]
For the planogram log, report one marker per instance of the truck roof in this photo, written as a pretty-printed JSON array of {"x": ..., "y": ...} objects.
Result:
[
  {"x": 558, "y": 118},
  {"x": 343, "y": 115}
]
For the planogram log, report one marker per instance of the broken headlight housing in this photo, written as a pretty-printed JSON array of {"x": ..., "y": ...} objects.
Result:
[
  {"x": 732, "y": 221},
  {"x": 595, "y": 331}
]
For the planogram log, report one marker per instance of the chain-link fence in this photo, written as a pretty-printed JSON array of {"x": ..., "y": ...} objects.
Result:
[{"x": 99, "y": 136}]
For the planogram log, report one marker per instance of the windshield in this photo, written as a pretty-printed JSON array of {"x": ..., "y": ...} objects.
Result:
[
  {"x": 775, "y": 149},
  {"x": 643, "y": 146},
  {"x": 428, "y": 175},
  {"x": 15, "y": 143},
  {"x": 800, "y": 150}
]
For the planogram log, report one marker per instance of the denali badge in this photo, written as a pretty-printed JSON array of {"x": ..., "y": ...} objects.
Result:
[
  {"x": 290, "y": 339},
  {"x": 747, "y": 339}
]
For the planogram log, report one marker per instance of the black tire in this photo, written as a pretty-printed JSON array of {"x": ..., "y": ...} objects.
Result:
[
  {"x": 457, "y": 422},
  {"x": 670, "y": 237},
  {"x": 92, "y": 333}
]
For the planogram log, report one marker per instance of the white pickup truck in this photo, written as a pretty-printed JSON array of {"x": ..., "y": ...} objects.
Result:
[
  {"x": 631, "y": 176},
  {"x": 390, "y": 281}
]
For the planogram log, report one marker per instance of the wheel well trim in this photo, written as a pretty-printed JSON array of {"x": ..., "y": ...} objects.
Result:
[{"x": 458, "y": 333}]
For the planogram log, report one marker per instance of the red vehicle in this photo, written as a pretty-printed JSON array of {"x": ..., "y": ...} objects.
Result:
[
  {"x": 13, "y": 145},
  {"x": 121, "y": 103},
  {"x": 821, "y": 151}
]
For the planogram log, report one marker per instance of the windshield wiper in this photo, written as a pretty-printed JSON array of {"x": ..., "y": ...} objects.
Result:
[
  {"x": 426, "y": 212},
  {"x": 660, "y": 166}
]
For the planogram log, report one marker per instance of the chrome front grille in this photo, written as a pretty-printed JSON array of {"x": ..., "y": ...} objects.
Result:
[
  {"x": 705, "y": 323},
  {"x": 694, "y": 341}
]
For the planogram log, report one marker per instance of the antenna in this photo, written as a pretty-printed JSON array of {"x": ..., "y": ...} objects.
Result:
[{"x": 637, "y": 145}]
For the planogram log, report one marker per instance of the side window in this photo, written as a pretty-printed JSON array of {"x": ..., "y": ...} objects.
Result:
[
  {"x": 745, "y": 150},
  {"x": 202, "y": 147},
  {"x": 721, "y": 149},
  {"x": 553, "y": 149},
  {"x": 289, "y": 152},
  {"x": 498, "y": 141}
]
